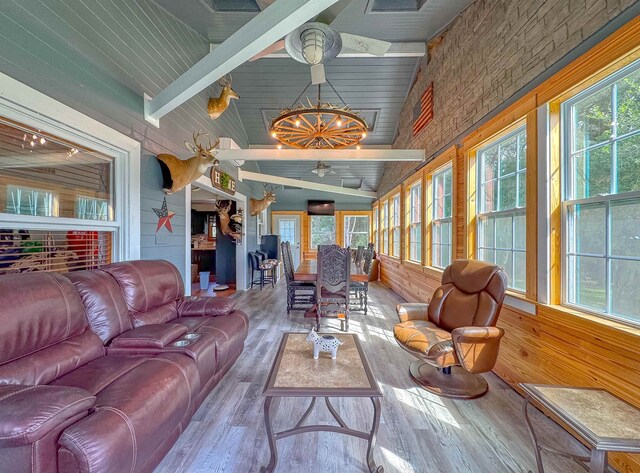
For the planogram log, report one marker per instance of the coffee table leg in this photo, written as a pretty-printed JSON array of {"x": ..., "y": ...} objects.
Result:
[
  {"x": 534, "y": 439},
  {"x": 372, "y": 438},
  {"x": 273, "y": 461},
  {"x": 598, "y": 462}
]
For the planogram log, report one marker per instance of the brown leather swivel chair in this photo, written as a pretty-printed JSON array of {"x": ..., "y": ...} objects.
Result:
[{"x": 454, "y": 337}]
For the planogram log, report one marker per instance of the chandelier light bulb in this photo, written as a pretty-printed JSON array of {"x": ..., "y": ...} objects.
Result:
[
  {"x": 364, "y": 135},
  {"x": 42, "y": 141},
  {"x": 34, "y": 137},
  {"x": 273, "y": 134},
  {"x": 339, "y": 123},
  {"x": 33, "y": 143},
  {"x": 279, "y": 146},
  {"x": 358, "y": 147},
  {"x": 297, "y": 122}
]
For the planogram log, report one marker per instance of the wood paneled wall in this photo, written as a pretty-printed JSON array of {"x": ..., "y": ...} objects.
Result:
[{"x": 555, "y": 344}]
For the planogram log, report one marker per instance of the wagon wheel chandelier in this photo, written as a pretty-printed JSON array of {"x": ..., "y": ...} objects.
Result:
[{"x": 319, "y": 125}]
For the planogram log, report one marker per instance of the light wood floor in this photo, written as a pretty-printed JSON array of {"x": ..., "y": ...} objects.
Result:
[{"x": 419, "y": 432}]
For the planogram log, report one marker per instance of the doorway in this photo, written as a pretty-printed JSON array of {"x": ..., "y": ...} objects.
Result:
[{"x": 288, "y": 227}]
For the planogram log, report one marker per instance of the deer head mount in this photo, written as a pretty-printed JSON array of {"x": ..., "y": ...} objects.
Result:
[
  {"x": 230, "y": 228},
  {"x": 256, "y": 206},
  {"x": 177, "y": 173},
  {"x": 217, "y": 106}
]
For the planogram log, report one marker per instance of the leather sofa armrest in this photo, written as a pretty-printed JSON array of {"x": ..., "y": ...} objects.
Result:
[
  {"x": 477, "y": 347},
  {"x": 28, "y": 413},
  {"x": 149, "y": 336},
  {"x": 412, "y": 311},
  {"x": 205, "y": 306}
]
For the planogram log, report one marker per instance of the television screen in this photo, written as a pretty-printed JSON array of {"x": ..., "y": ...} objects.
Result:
[{"x": 321, "y": 207}]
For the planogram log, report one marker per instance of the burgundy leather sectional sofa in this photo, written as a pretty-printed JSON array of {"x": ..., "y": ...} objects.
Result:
[{"x": 101, "y": 370}]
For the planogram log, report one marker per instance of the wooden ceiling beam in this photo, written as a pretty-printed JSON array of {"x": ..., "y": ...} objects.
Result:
[
  {"x": 265, "y": 28},
  {"x": 316, "y": 186}
]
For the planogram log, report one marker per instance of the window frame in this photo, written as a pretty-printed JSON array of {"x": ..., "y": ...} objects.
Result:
[
  {"x": 432, "y": 212},
  {"x": 568, "y": 200},
  {"x": 355, "y": 215},
  {"x": 375, "y": 225},
  {"x": 384, "y": 230},
  {"x": 19, "y": 104},
  {"x": 413, "y": 189},
  {"x": 335, "y": 229},
  {"x": 395, "y": 226},
  {"x": 509, "y": 132}
]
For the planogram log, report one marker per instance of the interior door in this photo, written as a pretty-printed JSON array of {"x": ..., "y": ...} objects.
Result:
[{"x": 288, "y": 227}]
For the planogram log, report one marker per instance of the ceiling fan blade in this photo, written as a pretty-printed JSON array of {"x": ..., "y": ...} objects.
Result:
[
  {"x": 277, "y": 46},
  {"x": 339, "y": 166},
  {"x": 331, "y": 13},
  {"x": 372, "y": 46},
  {"x": 317, "y": 74},
  {"x": 262, "y": 4}
]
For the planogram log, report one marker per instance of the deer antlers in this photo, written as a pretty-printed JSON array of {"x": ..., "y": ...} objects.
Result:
[
  {"x": 197, "y": 148},
  {"x": 269, "y": 188}
]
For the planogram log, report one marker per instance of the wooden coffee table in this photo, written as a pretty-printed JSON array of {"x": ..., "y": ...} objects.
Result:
[
  {"x": 296, "y": 374},
  {"x": 604, "y": 421}
]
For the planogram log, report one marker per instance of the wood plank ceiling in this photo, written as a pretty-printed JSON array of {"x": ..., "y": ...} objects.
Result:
[{"x": 376, "y": 86}]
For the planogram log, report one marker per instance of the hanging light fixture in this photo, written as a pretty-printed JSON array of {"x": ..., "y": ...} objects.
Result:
[{"x": 319, "y": 125}]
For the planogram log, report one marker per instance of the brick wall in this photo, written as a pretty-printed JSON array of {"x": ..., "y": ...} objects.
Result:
[{"x": 492, "y": 50}]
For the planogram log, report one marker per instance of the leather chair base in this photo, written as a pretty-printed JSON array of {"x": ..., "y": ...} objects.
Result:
[{"x": 460, "y": 384}]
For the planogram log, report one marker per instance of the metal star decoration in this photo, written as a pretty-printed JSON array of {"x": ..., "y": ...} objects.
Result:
[{"x": 164, "y": 217}]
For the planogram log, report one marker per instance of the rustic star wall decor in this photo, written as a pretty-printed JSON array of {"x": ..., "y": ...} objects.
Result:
[{"x": 164, "y": 216}]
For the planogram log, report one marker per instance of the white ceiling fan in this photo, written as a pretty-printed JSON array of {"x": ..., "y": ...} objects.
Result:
[
  {"x": 316, "y": 42},
  {"x": 322, "y": 169}
]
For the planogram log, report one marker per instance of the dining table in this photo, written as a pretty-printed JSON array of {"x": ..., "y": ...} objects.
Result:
[{"x": 308, "y": 271}]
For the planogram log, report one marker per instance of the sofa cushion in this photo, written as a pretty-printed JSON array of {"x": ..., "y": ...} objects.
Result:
[
  {"x": 43, "y": 329},
  {"x": 205, "y": 306},
  {"x": 102, "y": 298},
  {"x": 150, "y": 336},
  {"x": 133, "y": 414},
  {"x": 147, "y": 284}
]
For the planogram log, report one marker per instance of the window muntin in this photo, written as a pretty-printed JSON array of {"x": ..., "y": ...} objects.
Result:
[
  {"x": 601, "y": 206},
  {"x": 395, "y": 226},
  {"x": 385, "y": 227},
  {"x": 375, "y": 229},
  {"x": 356, "y": 230},
  {"x": 323, "y": 230},
  {"x": 415, "y": 223},
  {"x": 441, "y": 220},
  {"x": 501, "y": 205}
]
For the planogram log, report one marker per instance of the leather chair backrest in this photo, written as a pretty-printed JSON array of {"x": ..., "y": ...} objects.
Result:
[
  {"x": 44, "y": 332},
  {"x": 103, "y": 301},
  {"x": 150, "y": 289},
  {"x": 471, "y": 294}
]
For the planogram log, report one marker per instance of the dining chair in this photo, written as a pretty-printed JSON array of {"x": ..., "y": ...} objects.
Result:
[
  {"x": 333, "y": 283},
  {"x": 361, "y": 289},
  {"x": 298, "y": 292}
]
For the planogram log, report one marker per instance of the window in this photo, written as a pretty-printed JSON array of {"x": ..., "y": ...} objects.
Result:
[
  {"x": 375, "y": 229},
  {"x": 395, "y": 226},
  {"x": 42, "y": 179},
  {"x": 601, "y": 207},
  {"x": 415, "y": 223},
  {"x": 323, "y": 231},
  {"x": 501, "y": 205},
  {"x": 385, "y": 228},
  {"x": 356, "y": 230},
  {"x": 441, "y": 223}
]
